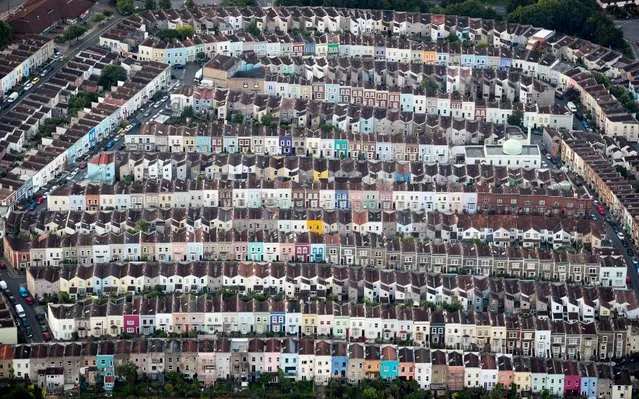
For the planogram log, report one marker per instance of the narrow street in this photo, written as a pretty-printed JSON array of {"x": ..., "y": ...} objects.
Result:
[{"x": 14, "y": 280}]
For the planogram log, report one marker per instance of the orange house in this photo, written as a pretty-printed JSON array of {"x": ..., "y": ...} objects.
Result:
[
  {"x": 92, "y": 198},
  {"x": 406, "y": 364},
  {"x": 372, "y": 362}
]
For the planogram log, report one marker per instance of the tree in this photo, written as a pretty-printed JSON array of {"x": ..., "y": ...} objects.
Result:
[
  {"x": 110, "y": 76},
  {"x": 185, "y": 31},
  {"x": 514, "y": 4},
  {"x": 516, "y": 118},
  {"x": 571, "y": 94},
  {"x": 188, "y": 112},
  {"x": 74, "y": 31},
  {"x": 64, "y": 297},
  {"x": 238, "y": 118},
  {"x": 129, "y": 371},
  {"x": 6, "y": 34},
  {"x": 164, "y": 4},
  {"x": 99, "y": 17},
  {"x": 201, "y": 56},
  {"x": 430, "y": 86},
  {"x": 369, "y": 393},
  {"x": 142, "y": 225},
  {"x": 189, "y": 4},
  {"x": 253, "y": 29},
  {"x": 267, "y": 119},
  {"x": 125, "y": 7},
  {"x": 150, "y": 5}
]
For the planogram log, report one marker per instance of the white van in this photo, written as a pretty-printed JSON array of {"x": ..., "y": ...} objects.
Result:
[
  {"x": 20, "y": 311},
  {"x": 3, "y": 285}
]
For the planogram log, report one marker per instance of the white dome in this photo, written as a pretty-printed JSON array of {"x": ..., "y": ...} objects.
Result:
[{"x": 512, "y": 147}]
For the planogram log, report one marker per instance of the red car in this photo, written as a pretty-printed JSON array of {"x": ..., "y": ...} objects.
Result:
[
  {"x": 46, "y": 336},
  {"x": 82, "y": 165},
  {"x": 2, "y": 266},
  {"x": 601, "y": 210},
  {"x": 29, "y": 300},
  {"x": 40, "y": 200}
]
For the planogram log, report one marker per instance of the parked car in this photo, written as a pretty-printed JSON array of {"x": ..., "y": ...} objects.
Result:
[
  {"x": 548, "y": 157},
  {"x": 630, "y": 252},
  {"x": 601, "y": 210},
  {"x": 2, "y": 266},
  {"x": 11, "y": 299},
  {"x": 620, "y": 235},
  {"x": 40, "y": 200},
  {"x": 41, "y": 317},
  {"x": 29, "y": 300},
  {"x": 82, "y": 165},
  {"x": 32, "y": 206},
  {"x": 3, "y": 285},
  {"x": 23, "y": 292},
  {"x": 28, "y": 86},
  {"x": 35, "y": 80},
  {"x": 46, "y": 336}
]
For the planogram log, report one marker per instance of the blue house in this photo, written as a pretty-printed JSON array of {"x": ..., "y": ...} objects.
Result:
[
  {"x": 277, "y": 319},
  {"x": 317, "y": 252},
  {"x": 390, "y": 363},
  {"x": 341, "y": 198},
  {"x": 289, "y": 359},
  {"x": 589, "y": 377},
  {"x": 104, "y": 363},
  {"x": 309, "y": 48},
  {"x": 230, "y": 144},
  {"x": 505, "y": 62},
  {"x": 286, "y": 145},
  {"x": 203, "y": 143},
  {"x": 101, "y": 168},
  {"x": 339, "y": 360}
]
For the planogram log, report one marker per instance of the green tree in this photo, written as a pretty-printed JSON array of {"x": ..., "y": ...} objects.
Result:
[
  {"x": 571, "y": 94},
  {"x": 369, "y": 393},
  {"x": 514, "y": 4},
  {"x": 142, "y": 225},
  {"x": 164, "y": 4},
  {"x": 6, "y": 34},
  {"x": 238, "y": 118},
  {"x": 125, "y": 7},
  {"x": 430, "y": 86},
  {"x": 74, "y": 31},
  {"x": 110, "y": 76},
  {"x": 267, "y": 119},
  {"x": 185, "y": 31},
  {"x": 188, "y": 112},
  {"x": 201, "y": 56},
  {"x": 150, "y": 5},
  {"x": 64, "y": 297},
  {"x": 516, "y": 118},
  {"x": 129, "y": 371},
  {"x": 189, "y": 4},
  {"x": 253, "y": 29},
  {"x": 99, "y": 17}
]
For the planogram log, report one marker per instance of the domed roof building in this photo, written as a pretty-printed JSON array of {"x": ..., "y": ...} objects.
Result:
[{"x": 514, "y": 152}]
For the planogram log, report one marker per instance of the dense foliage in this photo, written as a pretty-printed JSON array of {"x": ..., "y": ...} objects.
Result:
[
  {"x": 580, "y": 18},
  {"x": 6, "y": 34},
  {"x": 110, "y": 76}
]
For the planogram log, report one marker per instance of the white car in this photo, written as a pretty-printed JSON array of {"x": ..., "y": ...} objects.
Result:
[
  {"x": 28, "y": 86},
  {"x": 128, "y": 127},
  {"x": 620, "y": 235},
  {"x": 3, "y": 285}
]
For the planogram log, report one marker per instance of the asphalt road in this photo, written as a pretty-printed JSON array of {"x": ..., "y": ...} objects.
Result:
[
  {"x": 13, "y": 284},
  {"x": 630, "y": 29},
  {"x": 87, "y": 41}
]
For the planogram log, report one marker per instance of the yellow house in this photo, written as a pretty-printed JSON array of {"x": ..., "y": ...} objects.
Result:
[
  {"x": 523, "y": 376},
  {"x": 309, "y": 318},
  {"x": 315, "y": 226},
  {"x": 319, "y": 175},
  {"x": 430, "y": 57}
]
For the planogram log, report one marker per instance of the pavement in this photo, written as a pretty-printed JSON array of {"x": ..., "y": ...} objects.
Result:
[
  {"x": 14, "y": 280},
  {"x": 630, "y": 29},
  {"x": 7, "y": 6}
]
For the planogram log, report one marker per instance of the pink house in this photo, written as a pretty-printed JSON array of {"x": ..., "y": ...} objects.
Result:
[
  {"x": 132, "y": 323},
  {"x": 179, "y": 249},
  {"x": 505, "y": 371},
  {"x": 206, "y": 362},
  {"x": 356, "y": 196},
  {"x": 287, "y": 249},
  {"x": 302, "y": 248},
  {"x": 572, "y": 378},
  {"x": 272, "y": 355}
]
